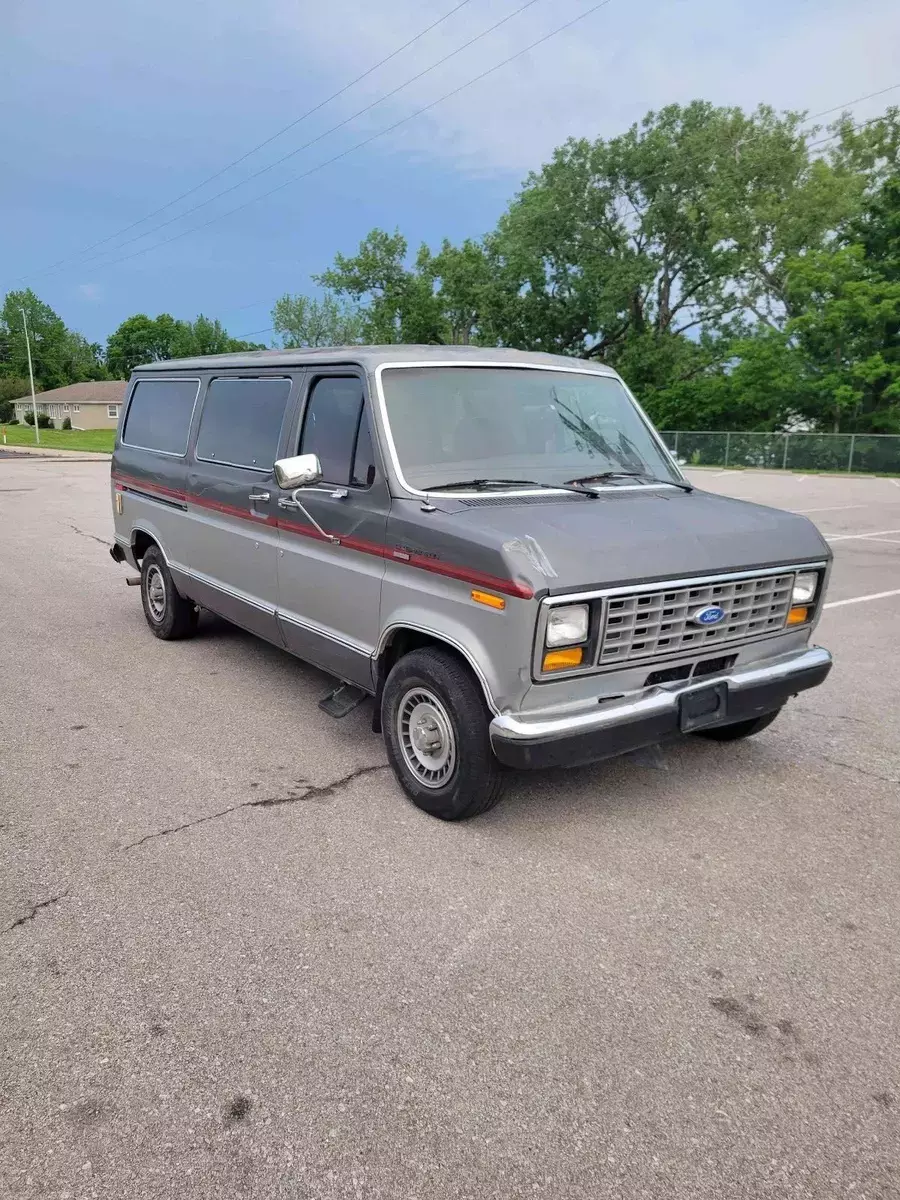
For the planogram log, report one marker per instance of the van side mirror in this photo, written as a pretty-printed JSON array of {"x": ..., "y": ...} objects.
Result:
[{"x": 302, "y": 470}]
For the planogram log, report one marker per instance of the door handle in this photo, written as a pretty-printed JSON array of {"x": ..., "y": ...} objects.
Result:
[
  {"x": 258, "y": 496},
  {"x": 285, "y": 503}
]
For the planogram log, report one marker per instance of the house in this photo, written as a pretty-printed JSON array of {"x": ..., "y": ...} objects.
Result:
[{"x": 93, "y": 405}]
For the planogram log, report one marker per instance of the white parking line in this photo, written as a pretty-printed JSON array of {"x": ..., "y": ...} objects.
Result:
[
  {"x": 889, "y": 541},
  {"x": 896, "y": 482},
  {"x": 862, "y": 599},
  {"x": 829, "y": 508},
  {"x": 845, "y": 537}
]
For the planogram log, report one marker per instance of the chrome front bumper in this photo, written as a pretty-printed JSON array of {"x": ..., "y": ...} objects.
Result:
[{"x": 615, "y": 726}]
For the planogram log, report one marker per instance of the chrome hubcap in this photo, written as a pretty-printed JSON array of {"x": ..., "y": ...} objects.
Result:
[
  {"x": 425, "y": 734},
  {"x": 156, "y": 594}
]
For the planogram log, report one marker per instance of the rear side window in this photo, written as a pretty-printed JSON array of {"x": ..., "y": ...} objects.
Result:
[
  {"x": 241, "y": 421},
  {"x": 336, "y": 428},
  {"x": 159, "y": 415}
]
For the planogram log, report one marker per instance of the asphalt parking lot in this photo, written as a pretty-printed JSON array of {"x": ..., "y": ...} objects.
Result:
[{"x": 235, "y": 962}]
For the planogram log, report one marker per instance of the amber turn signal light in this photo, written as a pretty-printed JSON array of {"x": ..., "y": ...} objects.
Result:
[
  {"x": 798, "y": 614},
  {"x": 558, "y": 660},
  {"x": 487, "y": 598}
]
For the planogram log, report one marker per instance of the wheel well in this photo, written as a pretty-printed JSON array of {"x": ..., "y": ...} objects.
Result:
[
  {"x": 141, "y": 543},
  {"x": 401, "y": 642}
]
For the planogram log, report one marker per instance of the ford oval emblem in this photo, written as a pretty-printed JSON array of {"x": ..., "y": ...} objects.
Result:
[{"x": 711, "y": 615}]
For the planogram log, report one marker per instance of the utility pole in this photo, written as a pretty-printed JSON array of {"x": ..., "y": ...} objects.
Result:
[{"x": 37, "y": 432}]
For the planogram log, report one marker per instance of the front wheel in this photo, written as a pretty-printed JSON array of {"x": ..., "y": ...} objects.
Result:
[
  {"x": 435, "y": 727},
  {"x": 740, "y": 729}
]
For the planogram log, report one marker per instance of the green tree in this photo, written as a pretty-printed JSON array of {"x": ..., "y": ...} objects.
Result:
[
  {"x": 464, "y": 280},
  {"x": 140, "y": 339},
  {"x": 12, "y": 388},
  {"x": 306, "y": 321},
  {"x": 202, "y": 336},
  {"x": 877, "y": 229},
  {"x": 685, "y": 222},
  {"x": 400, "y": 301},
  {"x": 847, "y": 326},
  {"x": 870, "y": 150},
  {"x": 761, "y": 387},
  {"x": 59, "y": 355}
]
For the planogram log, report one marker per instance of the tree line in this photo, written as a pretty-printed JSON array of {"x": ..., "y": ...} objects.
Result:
[
  {"x": 739, "y": 269},
  {"x": 61, "y": 356}
]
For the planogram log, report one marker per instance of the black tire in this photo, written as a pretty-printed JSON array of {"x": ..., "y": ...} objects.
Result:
[
  {"x": 474, "y": 779},
  {"x": 168, "y": 613},
  {"x": 740, "y": 729}
]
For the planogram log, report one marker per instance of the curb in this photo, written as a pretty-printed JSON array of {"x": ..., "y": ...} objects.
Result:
[{"x": 54, "y": 452}]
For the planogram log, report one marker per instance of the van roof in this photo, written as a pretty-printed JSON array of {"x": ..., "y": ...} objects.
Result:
[{"x": 369, "y": 357}]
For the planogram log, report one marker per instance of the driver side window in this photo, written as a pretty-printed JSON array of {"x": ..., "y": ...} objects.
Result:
[{"x": 336, "y": 428}]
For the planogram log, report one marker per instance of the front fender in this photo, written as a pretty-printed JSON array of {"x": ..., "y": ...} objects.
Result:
[{"x": 496, "y": 644}]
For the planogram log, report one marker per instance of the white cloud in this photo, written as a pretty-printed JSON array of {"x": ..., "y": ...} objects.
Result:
[
  {"x": 594, "y": 78},
  {"x": 90, "y": 291}
]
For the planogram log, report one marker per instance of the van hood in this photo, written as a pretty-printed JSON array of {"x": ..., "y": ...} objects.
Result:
[{"x": 567, "y": 543}]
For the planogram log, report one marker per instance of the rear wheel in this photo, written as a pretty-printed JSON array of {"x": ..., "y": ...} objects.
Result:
[
  {"x": 168, "y": 613},
  {"x": 740, "y": 729},
  {"x": 435, "y": 726}
]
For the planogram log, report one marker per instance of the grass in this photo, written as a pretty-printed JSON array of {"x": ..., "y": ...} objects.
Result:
[{"x": 100, "y": 440}]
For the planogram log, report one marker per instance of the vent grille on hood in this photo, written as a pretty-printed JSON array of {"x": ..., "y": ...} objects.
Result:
[{"x": 509, "y": 501}]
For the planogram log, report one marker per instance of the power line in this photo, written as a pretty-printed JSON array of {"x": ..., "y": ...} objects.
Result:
[
  {"x": 814, "y": 116},
  {"x": 821, "y": 141},
  {"x": 360, "y": 145},
  {"x": 858, "y": 100},
  {"x": 320, "y": 137},
  {"x": 366, "y": 141},
  {"x": 755, "y": 134},
  {"x": 242, "y": 337},
  {"x": 259, "y": 146},
  {"x": 397, "y": 124},
  {"x": 856, "y": 125}
]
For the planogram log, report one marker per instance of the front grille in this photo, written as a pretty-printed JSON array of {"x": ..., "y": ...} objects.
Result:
[{"x": 653, "y": 624}]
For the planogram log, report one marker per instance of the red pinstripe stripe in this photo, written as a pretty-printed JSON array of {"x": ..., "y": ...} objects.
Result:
[
  {"x": 477, "y": 578},
  {"x": 420, "y": 562},
  {"x": 349, "y": 542},
  {"x": 244, "y": 514},
  {"x": 146, "y": 486}
]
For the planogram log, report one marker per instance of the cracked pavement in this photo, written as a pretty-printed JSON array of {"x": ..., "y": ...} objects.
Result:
[
  {"x": 34, "y": 910},
  {"x": 309, "y": 793},
  {"x": 235, "y": 962}
]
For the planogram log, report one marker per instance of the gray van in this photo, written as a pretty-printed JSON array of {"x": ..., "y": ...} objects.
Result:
[{"x": 495, "y": 545}]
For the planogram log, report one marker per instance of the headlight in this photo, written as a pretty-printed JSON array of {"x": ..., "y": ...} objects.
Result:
[
  {"x": 805, "y": 587},
  {"x": 567, "y": 625}
]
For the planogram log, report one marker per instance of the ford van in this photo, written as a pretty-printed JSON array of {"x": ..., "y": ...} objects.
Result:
[{"x": 496, "y": 546}]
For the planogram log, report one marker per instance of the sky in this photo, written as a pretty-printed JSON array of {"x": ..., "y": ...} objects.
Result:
[{"x": 114, "y": 108}]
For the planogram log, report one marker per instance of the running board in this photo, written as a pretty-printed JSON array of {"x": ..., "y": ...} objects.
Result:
[{"x": 343, "y": 700}]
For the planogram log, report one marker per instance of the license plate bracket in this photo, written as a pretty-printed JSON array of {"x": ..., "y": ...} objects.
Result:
[{"x": 703, "y": 707}]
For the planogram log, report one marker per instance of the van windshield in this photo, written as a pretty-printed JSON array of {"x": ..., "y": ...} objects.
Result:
[{"x": 459, "y": 423}]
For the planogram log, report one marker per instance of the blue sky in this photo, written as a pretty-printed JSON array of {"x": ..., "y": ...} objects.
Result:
[{"x": 114, "y": 107}]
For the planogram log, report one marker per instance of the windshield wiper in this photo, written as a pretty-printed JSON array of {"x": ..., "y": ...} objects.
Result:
[
  {"x": 482, "y": 485},
  {"x": 644, "y": 475}
]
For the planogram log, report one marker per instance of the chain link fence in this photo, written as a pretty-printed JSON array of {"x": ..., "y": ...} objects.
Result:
[{"x": 870, "y": 452}]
